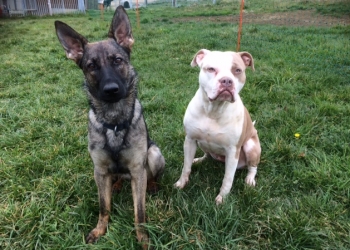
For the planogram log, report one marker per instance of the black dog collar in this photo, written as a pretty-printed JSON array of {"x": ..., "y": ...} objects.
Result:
[{"x": 117, "y": 127}]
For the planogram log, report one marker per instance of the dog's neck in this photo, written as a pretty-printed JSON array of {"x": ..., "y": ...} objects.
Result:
[{"x": 117, "y": 113}]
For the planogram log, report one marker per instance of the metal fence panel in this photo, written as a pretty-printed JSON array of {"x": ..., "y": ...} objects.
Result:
[{"x": 43, "y": 7}]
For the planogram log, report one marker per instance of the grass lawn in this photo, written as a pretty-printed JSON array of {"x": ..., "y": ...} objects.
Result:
[{"x": 301, "y": 84}]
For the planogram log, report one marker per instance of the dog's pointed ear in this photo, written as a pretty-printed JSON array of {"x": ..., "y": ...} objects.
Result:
[
  {"x": 72, "y": 42},
  {"x": 247, "y": 59},
  {"x": 198, "y": 58},
  {"x": 120, "y": 29}
]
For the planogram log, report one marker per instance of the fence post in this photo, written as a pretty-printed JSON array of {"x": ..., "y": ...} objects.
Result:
[
  {"x": 49, "y": 4},
  {"x": 174, "y": 3}
]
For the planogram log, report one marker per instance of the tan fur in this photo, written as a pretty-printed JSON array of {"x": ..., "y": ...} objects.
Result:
[{"x": 119, "y": 144}]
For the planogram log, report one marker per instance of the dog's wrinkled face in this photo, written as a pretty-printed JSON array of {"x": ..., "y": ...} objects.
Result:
[
  {"x": 106, "y": 64},
  {"x": 222, "y": 74},
  {"x": 107, "y": 75}
]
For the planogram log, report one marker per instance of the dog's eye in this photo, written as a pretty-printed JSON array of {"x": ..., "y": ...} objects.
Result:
[
  {"x": 238, "y": 71},
  {"x": 211, "y": 70},
  {"x": 117, "y": 60},
  {"x": 91, "y": 66}
]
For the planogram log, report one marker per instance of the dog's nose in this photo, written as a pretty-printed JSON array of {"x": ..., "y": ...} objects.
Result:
[
  {"x": 111, "y": 88},
  {"x": 226, "y": 82}
]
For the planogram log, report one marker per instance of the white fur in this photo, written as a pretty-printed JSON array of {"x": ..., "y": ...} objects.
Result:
[
  {"x": 249, "y": 145},
  {"x": 215, "y": 117}
]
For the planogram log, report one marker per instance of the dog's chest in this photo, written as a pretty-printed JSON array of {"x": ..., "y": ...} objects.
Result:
[
  {"x": 120, "y": 152},
  {"x": 115, "y": 141},
  {"x": 213, "y": 136}
]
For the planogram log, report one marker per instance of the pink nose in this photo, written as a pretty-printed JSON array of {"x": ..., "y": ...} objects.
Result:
[{"x": 226, "y": 82}]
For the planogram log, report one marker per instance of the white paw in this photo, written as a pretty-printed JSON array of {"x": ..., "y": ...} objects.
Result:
[
  {"x": 218, "y": 200},
  {"x": 180, "y": 184},
  {"x": 250, "y": 180},
  {"x": 196, "y": 160},
  {"x": 199, "y": 159}
]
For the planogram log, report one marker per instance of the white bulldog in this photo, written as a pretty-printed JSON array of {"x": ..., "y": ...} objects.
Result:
[{"x": 217, "y": 121}]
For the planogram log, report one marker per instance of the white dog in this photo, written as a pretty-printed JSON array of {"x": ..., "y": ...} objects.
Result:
[{"x": 217, "y": 121}]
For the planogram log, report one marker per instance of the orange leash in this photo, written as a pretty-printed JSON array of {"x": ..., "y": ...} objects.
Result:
[
  {"x": 137, "y": 14},
  {"x": 240, "y": 26}
]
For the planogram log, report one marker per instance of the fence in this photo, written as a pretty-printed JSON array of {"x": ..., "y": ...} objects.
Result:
[
  {"x": 41, "y": 7},
  {"x": 278, "y": 12}
]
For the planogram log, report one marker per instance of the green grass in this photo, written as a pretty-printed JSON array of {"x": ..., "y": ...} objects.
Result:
[{"x": 48, "y": 198}]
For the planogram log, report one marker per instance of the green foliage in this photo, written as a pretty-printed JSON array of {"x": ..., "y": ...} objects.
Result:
[
  {"x": 48, "y": 198},
  {"x": 341, "y": 8}
]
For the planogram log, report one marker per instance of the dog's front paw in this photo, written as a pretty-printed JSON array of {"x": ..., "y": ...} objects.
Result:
[
  {"x": 93, "y": 236},
  {"x": 181, "y": 183},
  {"x": 219, "y": 200},
  {"x": 142, "y": 237}
]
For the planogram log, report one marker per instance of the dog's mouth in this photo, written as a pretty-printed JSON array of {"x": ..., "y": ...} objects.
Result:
[
  {"x": 110, "y": 99},
  {"x": 224, "y": 95}
]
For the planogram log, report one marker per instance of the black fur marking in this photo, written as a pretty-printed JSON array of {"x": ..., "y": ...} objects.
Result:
[
  {"x": 111, "y": 88},
  {"x": 103, "y": 209},
  {"x": 141, "y": 213},
  {"x": 117, "y": 127}
]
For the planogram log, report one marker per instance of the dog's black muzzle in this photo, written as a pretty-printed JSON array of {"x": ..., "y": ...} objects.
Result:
[
  {"x": 111, "y": 88},
  {"x": 112, "y": 92}
]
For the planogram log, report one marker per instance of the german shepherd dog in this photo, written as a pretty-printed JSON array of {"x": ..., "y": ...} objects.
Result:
[{"x": 119, "y": 144}]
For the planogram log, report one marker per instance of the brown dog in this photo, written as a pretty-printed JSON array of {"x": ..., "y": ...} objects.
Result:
[{"x": 119, "y": 144}]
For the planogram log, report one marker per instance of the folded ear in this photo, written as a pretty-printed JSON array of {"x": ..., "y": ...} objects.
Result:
[
  {"x": 72, "y": 42},
  {"x": 120, "y": 29},
  {"x": 247, "y": 59},
  {"x": 198, "y": 58}
]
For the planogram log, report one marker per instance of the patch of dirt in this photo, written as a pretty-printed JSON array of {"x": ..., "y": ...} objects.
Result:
[{"x": 295, "y": 18}]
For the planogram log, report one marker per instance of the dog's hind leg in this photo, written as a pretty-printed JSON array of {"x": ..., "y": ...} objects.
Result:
[
  {"x": 252, "y": 151},
  {"x": 156, "y": 165},
  {"x": 250, "y": 179},
  {"x": 200, "y": 159},
  {"x": 117, "y": 184}
]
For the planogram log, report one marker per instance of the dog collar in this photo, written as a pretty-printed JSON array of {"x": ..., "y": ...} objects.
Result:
[{"x": 116, "y": 127}]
